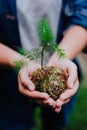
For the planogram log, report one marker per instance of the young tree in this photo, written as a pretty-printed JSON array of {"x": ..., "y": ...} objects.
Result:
[{"x": 46, "y": 79}]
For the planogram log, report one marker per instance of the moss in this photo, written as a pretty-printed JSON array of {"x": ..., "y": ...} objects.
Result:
[{"x": 50, "y": 80}]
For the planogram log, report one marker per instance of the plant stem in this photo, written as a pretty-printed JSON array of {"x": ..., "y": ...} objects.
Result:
[{"x": 42, "y": 55}]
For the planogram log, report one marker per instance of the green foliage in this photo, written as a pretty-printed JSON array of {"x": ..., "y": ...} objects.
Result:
[
  {"x": 22, "y": 51},
  {"x": 47, "y": 40},
  {"x": 47, "y": 43},
  {"x": 60, "y": 52},
  {"x": 18, "y": 64},
  {"x": 32, "y": 54},
  {"x": 45, "y": 33}
]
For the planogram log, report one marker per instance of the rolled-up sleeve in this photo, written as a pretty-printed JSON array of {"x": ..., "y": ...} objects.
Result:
[{"x": 78, "y": 14}]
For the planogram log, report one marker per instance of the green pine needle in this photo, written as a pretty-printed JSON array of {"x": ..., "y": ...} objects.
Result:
[
  {"x": 47, "y": 39},
  {"x": 47, "y": 43},
  {"x": 45, "y": 32},
  {"x": 32, "y": 54},
  {"x": 60, "y": 52},
  {"x": 18, "y": 64}
]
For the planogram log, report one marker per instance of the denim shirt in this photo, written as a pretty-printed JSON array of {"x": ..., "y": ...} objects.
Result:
[{"x": 74, "y": 12}]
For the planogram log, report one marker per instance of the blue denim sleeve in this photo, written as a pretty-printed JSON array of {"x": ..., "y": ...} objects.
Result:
[{"x": 76, "y": 12}]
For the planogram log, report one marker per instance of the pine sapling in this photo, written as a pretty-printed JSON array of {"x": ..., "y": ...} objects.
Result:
[{"x": 46, "y": 79}]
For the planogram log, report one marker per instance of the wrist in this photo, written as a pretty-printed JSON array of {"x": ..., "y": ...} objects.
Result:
[{"x": 14, "y": 57}]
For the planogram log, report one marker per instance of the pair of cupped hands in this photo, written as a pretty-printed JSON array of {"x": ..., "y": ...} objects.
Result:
[{"x": 27, "y": 87}]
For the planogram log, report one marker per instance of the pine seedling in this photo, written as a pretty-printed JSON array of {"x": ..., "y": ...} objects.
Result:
[
  {"x": 47, "y": 40},
  {"x": 49, "y": 79},
  {"x": 47, "y": 44},
  {"x": 46, "y": 79}
]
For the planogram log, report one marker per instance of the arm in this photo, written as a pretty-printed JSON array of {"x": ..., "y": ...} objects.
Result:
[
  {"x": 73, "y": 42},
  {"x": 75, "y": 39},
  {"x": 8, "y": 56},
  {"x": 26, "y": 87}
]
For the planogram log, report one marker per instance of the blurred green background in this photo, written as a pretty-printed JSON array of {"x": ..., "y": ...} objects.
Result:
[{"x": 78, "y": 119}]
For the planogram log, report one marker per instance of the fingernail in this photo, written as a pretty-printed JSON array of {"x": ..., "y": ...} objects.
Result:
[
  {"x": 31, "y": 88},
  {"x": 71, "y": 85},
  {"x": 63, "y": 97}
]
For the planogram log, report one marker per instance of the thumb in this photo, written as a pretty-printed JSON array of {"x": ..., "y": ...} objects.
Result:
[
  {"x": 25, "y": 80},
  {"x": 71, "y": 79}
]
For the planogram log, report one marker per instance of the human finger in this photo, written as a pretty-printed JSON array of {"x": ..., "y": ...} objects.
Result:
[
  {"x": 72, "y": 75},
  {"x": 32, "y": 94},
  {"x": 69, "y": 92},
  {"x": 57, "y": 110},
  {"x": 25, "y": 80}
]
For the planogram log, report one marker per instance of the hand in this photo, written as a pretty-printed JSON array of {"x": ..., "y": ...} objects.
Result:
[
  {"x": 69, "y": 69},
  {"x": 27, "y": 88}
]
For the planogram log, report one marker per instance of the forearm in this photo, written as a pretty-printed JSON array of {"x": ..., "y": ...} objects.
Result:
[
  {"x": 8, "y": 56},
  {"x": 74, "y": 40}
]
